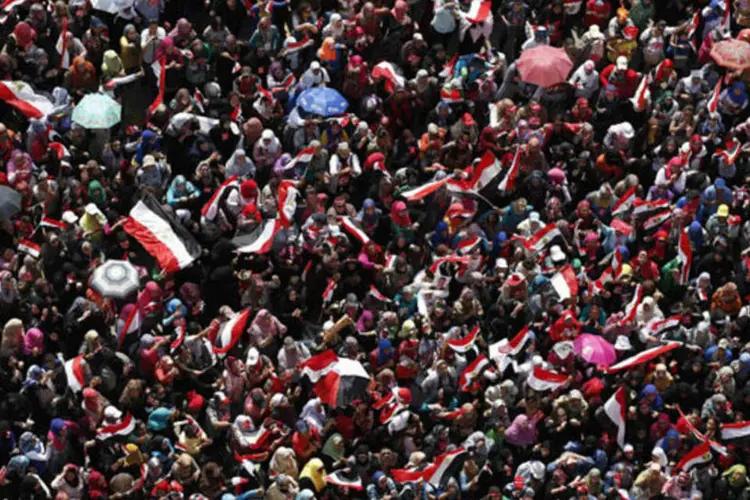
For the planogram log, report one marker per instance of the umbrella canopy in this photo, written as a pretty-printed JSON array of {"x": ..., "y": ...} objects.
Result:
[
  {"x": 544, "y": 66},
  {"x": 323, "y": 101},
  {"x": 346, "y": 382},
  {"x": 595, "y": 349},
  {"x": 732, "y": 54},
  {"x": 111, "y": 6},
  {"x": 115, "y": 278},
  {"x": 97, "y": 111},
  {"x": 10, "y": 202}
]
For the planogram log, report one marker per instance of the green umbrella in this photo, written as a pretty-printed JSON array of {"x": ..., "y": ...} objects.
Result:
[{"x": 97, "y": 111}]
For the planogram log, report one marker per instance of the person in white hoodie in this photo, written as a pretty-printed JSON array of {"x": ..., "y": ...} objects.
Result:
[{"x": 585, "y": 80}]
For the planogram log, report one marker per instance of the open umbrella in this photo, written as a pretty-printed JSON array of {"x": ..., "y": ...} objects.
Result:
[
  {"x": 323, "y": 101},
  {"x": 544, "y": 66},
  {"x": 10, "y": 202},
  {"x": 346, "y": 382},
  {"x": 732, "y": 54},
  {"x": 595, "y": 349},
  {"x": 97, "y": 111},
  {"x": 115, "y": 278},
  {"x": 111, "y": 6}
]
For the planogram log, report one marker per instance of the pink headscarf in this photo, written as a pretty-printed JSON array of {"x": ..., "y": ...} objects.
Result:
[{"x": 33, "y": 339}]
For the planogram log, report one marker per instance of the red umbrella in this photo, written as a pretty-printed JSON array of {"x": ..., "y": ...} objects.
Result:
[
  {"x": 544, "y": 66},
  {"x": 732, "y": 54},
  {"x": 346, "y": 381}
]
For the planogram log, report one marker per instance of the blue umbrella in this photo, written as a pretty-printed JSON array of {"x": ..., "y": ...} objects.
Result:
[{"x": 323, "y": 101}]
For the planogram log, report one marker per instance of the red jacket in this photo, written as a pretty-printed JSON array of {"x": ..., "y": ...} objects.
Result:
[{"x": 625, "y": 85}]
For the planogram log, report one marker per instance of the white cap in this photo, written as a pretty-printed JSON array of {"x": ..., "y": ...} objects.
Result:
[
  {"x": 267, "y": 134},
  {"x": 622, "y": 62},
  {"x": 556, "y": 254},
  {"x": 315, "y": 65},
  {"x": 623, "y": 343},
  {"x": 112, "y": 413},
  {"x": 92, "y": 209},
  {"x": 69, "y": 217},
  {"x": 253, "y": 356}
]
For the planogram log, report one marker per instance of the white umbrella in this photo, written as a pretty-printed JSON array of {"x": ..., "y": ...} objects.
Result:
[
  {"x": 115, "y": 278},
  {"x": 111, "y": 6}
]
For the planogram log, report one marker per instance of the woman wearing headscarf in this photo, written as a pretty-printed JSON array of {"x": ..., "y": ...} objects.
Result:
[
  {"x": 284, "y": 461},
  {"x": 239, "y": 164},
  {"x": 733, "y": 100},
  {"x": 19, "y": 168},
  {"x": 8, "y": 292},
  {"x": 130, "y": 49},
  {"x": 12, "y": 338},
  {"x": 181, "y": 195},
  {"x": 265, "y": 153},
  {"x": 175, "y": 63},
  {"x": 314, "y": 414},
  {"x": 401, "y": 223},
  {"x": 732, "y": 484},
  {"x": 313, "y": 475},
  {"x": 81, "y": 77},
  {"x": 32, "y": 448},
  {"x": 266, "y": 330},
  {"x": 112, "y": 66}
]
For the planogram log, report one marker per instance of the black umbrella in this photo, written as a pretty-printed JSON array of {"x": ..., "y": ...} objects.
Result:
[{"x": 10, "y": 202}]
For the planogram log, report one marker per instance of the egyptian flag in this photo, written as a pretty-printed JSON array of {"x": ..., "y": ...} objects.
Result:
[
  {"x": 60, "y": 150},
  {"x": 393, "y": 80},
  {"x": 345, "y": 382},
  {"x": 735, "y": 430},
  {"x": 685, "y": 254},
  {"x": 656, "y": 327},
  {"x": 657, "y": 220},
  {"x": 287, "y": 202},
  {"x": 449, "y": 69},
  {"x": 122, "y": 428},
  {"x": 51, "y": 223},
  {"x": 352, "y": 228},
  {"x": 546, "y": 380},
  {"x": 134, "y": 320},
  {"x": 483, "y": 173},
  {"x": 9, "y": 4},
  {"x": 617, "y": 261},
  {"x": 466, "y": 343},
  {"x": 62, "y": 45},
  {"x": 393, "y": 403},
  {"x": 390, "y": 262},
  {"x": 260, "y": 240},
  {"x": 501, "y": 352},
  {"x": 159, "y": 67},
  {"x": 565, "y": 282},
  {"x": 597, "y": 286},
  {"x": 200, "y": 101},
  {"x": 700, "y": 454},
  {"x": 339, "y": 479},
  {"x": 642, "y": 94},
  {"x": 211, "y": 208},
  {"x": 424, "y": 190},
  {"x": 466, "y": 246},
  {"x": 641, "y": 207},
  {"x": 374, "y": 292},
  {"x": 731, "y": 154},
  {"x": 304, "y": 156},
  {"x": 74, "y": 373},
  {"x": 632, "y": 307},
  {"x": 319, "y": 365},
  {"x": 625, "y": 203},
  {"x": 713, "y": 102},
  {"x": 454, "y": 259},
  {"x": 21, "y": 96},
  {"x": 479, "y": 11},
  {"x": 230, "y": 332},
  {"x": 643, "y": 357},
  {"x": 615, "y": 408},
  {"x": 542, "y": 238},
  {"x": 161, "y": 235},
  {"x": 469, "y": 379},
  {"x": 726, "y": 22},
  {"x": 692, "y": 29},
  {"x": 30, "y": 248},
  {"x": 201, "y": 433},
  {"x": 451, "y": 95},
  {"x": 329, "y": 291},
  {"x": 437, "y": 474},
  {"x": 509, "y": 181}
]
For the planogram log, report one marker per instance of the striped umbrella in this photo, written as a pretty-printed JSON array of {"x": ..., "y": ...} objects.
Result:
[
  {"x": 116, "y": 279},
  {"x": 346, "y": 382}
]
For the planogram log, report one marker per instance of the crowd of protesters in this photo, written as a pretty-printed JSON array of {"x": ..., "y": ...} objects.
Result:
[{"x": 462, "y": 284}]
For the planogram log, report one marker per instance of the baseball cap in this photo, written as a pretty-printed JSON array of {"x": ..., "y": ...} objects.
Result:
[
  {"x": 622, "y": 62},
  {"x": 723, "y": 211}
]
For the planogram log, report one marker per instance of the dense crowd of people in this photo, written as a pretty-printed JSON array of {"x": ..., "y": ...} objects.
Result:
[{"x": 385, "y": 250}]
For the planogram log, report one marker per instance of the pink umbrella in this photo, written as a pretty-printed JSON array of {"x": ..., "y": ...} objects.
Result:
[
  {"x": 595, "y": 349},
  {"x": 544, "y": 65}
]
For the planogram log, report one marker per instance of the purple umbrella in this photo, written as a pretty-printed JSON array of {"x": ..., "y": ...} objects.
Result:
[{"x": 595, "y": 349}]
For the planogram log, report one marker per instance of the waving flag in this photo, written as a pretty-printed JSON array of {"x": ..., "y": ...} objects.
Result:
[
  {"x": 643, "y": 357},
  {"x": 424, "y": 190},
  {"x": 632, "y": 307},
  {"x": 211, "y": 208},
  {"x": 615, "y": 408},
  {"x": 122, "y": 428},
  {"x": 317, "y": 366},
  {"x": 230, "y": 332},
  {"x": 51, "y": 223},
  {"x": 484, "y": 172},
  {"x": 454, "y": 259},
  {"x": 539, "y": 240},
  {"x": 735, "y": 430},
  {"x": 685, "y": 254},
  {"x": 597, "y": 286},
  {"x": 546, "y": 380},
  {"x": 466, "y": 246},
  {"x": 466, "y": 343},
  {"x": 328, "y": 292},
  {"x": 74, "y": 373},
  {"x": 479, "y": 11},
  {"x": 501, "y": 351},
  {"x": 338, "y": 478},
  {"x": 617, "y": 261},
  {"x": 713, "y": 101},
  {"x": 469, "y": 379},
  {"x": 262, "y": 238},
  {"x": 159, "y": 67},
  {"x": 287, "y": 202},
  {"x": 625, "y": 203},
  {"x": 134, "y": 320},
  {"x": 21, "y": 96},
  {"x": 641, "y": 207},
  {"x": 161, "y": 235},
  {"x": 731, "y": 154},
  {"x": 352, "y": 228},
  {"x": 30, "y": 248},
  {"x": 565, "y": 282},
  {"x": 374, "y": 292},
  {"x": 657, "y": 220},
  {"x": 656, "y": 327},
  {"x": 9, "y": 4},
  {"x": 345, "y": 382},
  {"x": 509, "y": 181},
  {"x": 642, "y": 94},
  {"x": 304, "y": 156},
  {"x": 393, "y": 79},
  {"x": 700, "y": 454},
  {"x": 693, "y": 29}
]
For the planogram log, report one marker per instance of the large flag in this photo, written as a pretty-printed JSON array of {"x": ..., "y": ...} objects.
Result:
[
  {"x": 565, "y": 282},
  {"x": 501, "y": 351},
  {"x": 466, "y": 343},
  {"x": 317, "y": 366},
  {"x": 230, "y": 332},
  {"x": 632, "y": 307},
  {"x": 484, "y": 172},
  {"x": 9, "y": 4},
  {"x": 643, "y": 357},
  {"x": 625, "y": 202},
  {"x": 161, "y": 235},
  {"x": 436, "y": 474},
  {"x": 509, "y": 181},
  {"x": 260, "y": 240},
  {"x": 424, "y": 190},
  {"x": 542, "y": 238},
  {"x": 211, "y": 208},
  {"x": 287, "y": 202},
  {"x": 616, "y": 408},
  {"x": 122, "y": 428},
  {"x": 21, "y": 96},
  {"x": 479, "y": 11},
  {"x": 74, "y": 373},
  {"x": 546, "y": 380},
  {"x": 735, "y": 430},
  {"x": 700, "y": 454}
]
